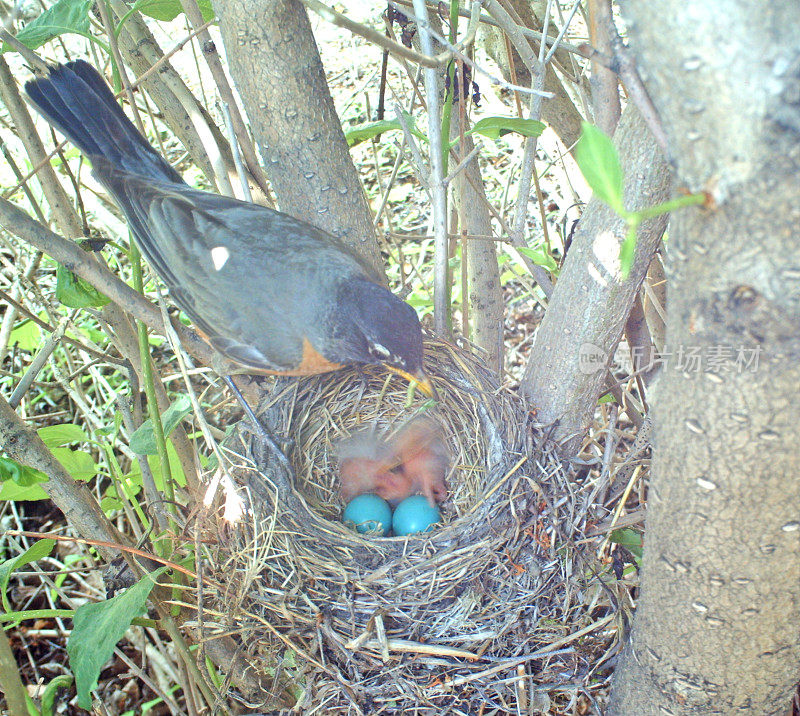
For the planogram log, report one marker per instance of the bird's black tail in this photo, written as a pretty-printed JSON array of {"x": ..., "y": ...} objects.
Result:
[{"x": 76, "y": 100}]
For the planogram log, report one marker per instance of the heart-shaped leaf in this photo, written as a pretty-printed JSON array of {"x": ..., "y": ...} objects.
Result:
[
  {"x": 96, "y": 629},
  {"x": 66, "y": 16}
]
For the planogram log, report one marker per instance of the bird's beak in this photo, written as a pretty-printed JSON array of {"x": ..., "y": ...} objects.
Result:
[{"x": 420, "y": 380}]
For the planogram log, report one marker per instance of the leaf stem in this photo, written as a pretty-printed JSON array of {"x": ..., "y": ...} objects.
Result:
[
  {"x": 677, "y": 203},
  {"x": 10, "y": 679}
]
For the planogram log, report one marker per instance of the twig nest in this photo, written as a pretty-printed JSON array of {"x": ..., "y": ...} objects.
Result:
[{"x": 349, "y": 605}]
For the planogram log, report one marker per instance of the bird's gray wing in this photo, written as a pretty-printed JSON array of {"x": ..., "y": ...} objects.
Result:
[{"x": 253, "y": 280}]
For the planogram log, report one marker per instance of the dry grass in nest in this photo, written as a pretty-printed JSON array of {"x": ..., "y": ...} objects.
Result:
[{"x": 490, "y": 608}]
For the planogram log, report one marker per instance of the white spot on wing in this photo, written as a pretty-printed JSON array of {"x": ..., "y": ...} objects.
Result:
[{"x": 219, "y": 255}]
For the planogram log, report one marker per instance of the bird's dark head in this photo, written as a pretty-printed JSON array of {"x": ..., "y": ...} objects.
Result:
[{"x": 388, "y": 329}]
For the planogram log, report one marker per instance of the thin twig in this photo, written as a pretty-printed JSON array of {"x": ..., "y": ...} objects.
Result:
[
  {"x": 419, "y": 163},
  {"x": 238, "y": 136},
  {"x": 237, "y": 156},
  {"x": 459, "y": 168},
  {"x": 424, "y": 59},
  {"x": 562, "y": 32},
  {"x": 537, "y": 70},
  {"x": 637, "y": 92},
  {"x": 39, "y": 360},
  {"x": 580, "y": 50},
  {"x": 30, "y": 56},
  {"x": 479, "y": 68},
  {"x": 441, "y": 302}
]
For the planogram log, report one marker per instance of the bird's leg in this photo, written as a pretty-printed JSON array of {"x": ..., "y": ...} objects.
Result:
[{"x": 265, "y": 434}]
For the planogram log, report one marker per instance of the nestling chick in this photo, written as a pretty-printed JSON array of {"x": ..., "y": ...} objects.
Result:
[
  {"x": 364, "y": 465},
  {"x": 423, "y": 459},
  {"x": 414, "y": 461}
]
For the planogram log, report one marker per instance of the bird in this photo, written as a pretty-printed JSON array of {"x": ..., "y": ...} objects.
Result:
[
  {"x": 271, "y": 293},
  {"x": 414, "y": 461},
  {"x": 422, "y": 454},
  {"x": 365, "y": 462}
]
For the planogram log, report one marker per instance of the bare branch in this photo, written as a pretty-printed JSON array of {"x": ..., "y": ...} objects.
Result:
[
  {"x": 441, "y": 292},
  {"x": 74, "y": 258}
]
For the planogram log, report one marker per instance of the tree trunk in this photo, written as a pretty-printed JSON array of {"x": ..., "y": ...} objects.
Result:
[
  {"x": 277, "y": 69},
  {"x": 717, "y": 623},
  {"x": 566, "y": 368},
  {"x": 485, "y": 295}
]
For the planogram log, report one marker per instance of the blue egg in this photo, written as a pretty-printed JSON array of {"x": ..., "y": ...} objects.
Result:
[
  {"x": 413, "y": 515},
  {"x": 369, "y": 514}
]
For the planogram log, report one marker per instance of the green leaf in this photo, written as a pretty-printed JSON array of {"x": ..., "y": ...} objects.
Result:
[
  {"x": 155, "y": 467},
  {"x": 166, "y": 10},
  {"x": 96, "y": 628},
  {"x": 627, "y": 252},
  {"x": 12, "y": 492},
  {"x": 540, "y": 258},
  {"x": 35, "y": 552},
  {"x": 62, "y": 681},
  {"x": 496, "y": 127},
  {"x": 599, "y": 162},
  {"x": 73, "y": 292},
  {"x": 78, "y": 463},
  {"x": 27, "y": 335},
  {"x": 628, "y": 538},
  {"x": 58, "y": 435},
  {"x": 143, "y": 440},
  {"x": 66, "y": 16},
  {"x": 362, "y": 132},
  {"x": 19, "y": 474},
  {"x": 110, "y": 504}
]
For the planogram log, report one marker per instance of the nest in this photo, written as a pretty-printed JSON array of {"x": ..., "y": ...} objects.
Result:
[{"x": 486, "y": 609}]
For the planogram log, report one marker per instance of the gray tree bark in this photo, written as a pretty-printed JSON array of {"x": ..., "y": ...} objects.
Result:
[
  {"x": 566, "y": 368},
  {"x": 277, "y": 69},
  {"x": 485, "y": 295},
  {"x": 74, "y": 499},
  {"x": 717, "y": 623}
]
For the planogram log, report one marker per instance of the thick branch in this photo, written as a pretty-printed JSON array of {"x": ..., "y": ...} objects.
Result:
[
  {"x": 278, "y": 72},
  {"x": 72, "y": 498},
  {"x": 588, "y": 309},
  {"x": 74, "y": 258}
]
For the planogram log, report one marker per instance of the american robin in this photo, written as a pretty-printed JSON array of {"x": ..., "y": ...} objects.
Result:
[
  {"x": 272, "y": 294},
  {"x": 414, "y": 461}
]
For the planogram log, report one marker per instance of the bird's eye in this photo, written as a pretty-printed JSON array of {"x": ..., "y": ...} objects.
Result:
[{"x": 378, "y": 351}]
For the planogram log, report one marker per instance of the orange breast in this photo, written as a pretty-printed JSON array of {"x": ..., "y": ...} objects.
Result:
[{"x": 312, "y": 362}]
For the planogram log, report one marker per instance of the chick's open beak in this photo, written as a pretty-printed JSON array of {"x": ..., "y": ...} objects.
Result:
[{"x": 420, "y": 379}]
